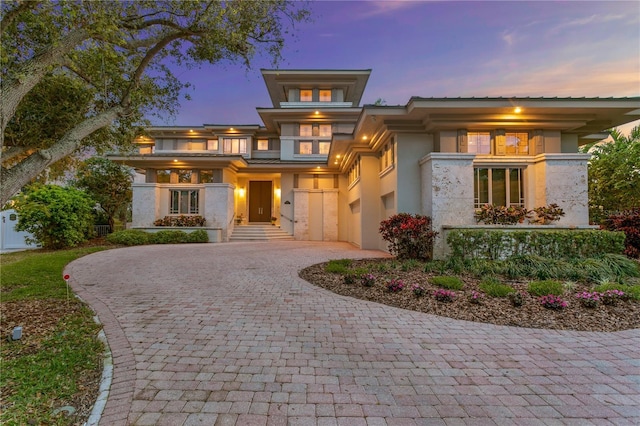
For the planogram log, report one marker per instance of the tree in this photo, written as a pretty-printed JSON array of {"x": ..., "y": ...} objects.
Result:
[
  {"x": 614, "y": 173},
  {"x": 57, "y": 217},
  {"x": 108, "y": 183},
  {"x": 88, "y": 72}
]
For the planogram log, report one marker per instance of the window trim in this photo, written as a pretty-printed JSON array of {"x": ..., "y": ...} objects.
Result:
[
  {"x": 192, "y": 210},
  {"x": 507, "y": 183}
]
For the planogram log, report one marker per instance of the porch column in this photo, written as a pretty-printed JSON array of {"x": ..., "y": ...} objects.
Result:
[{"x": 218, "y": 207}]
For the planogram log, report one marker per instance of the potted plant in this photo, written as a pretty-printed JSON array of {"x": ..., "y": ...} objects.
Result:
[
  {"x": 239, "y": 219},
  {"x": 273, "y": 220}
]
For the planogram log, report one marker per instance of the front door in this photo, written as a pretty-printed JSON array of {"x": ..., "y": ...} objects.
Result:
[{"x": 260, "y": 201}]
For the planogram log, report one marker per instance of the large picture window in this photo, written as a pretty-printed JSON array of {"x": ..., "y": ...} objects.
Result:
[
  {"x": 235, "y": 145},
  {"x": 502, "y": 187},
  {"x": 184, "y": 202}
]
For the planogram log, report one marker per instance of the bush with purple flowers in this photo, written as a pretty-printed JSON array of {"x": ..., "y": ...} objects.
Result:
[
  {"x": 395, "y": 285},
  {"x": 368, "y": 280},
  {"x": 552, "y": 302},
  {"x": 443, "y": 295},
  {"x": 418, "y": 290},
  {"x": 589, "y": 300},
  {"x": 475, "y": 298},
  {"x": 611, "y": 297}
]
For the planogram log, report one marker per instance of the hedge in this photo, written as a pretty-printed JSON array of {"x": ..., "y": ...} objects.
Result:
[
  {"x": 135, "y": 237},
  {"x": 564, "y": 244}
]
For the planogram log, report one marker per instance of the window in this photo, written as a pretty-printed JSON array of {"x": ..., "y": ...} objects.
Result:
[
  {"x": 306, "y": 95},
  {"x": 502, "y": 187},
  {"x": 323, "y": 148},
  {"x": 306, "y": 130},
  {"x": 235, "y": 145},
  {"x": 212, "y": 145},
  {"x": 262, "y": 145},
  {"x": 184, "y": 202},
  {"x": 386, "y": 157},
  {"x": 184, "y": 176},
  {"x": 163, "y": 176},
  {"x": 198, "y": 146},
  {"x": 517, "y": 143},
  {"x": 325, "y": 130},
  {"x": 306, "y": 148},
  {"x": 354, "y": 171},
  {"x": 206, "y": 176},
  {"x": 479, "y": 142},
  {"x": 325, "y": 95}
]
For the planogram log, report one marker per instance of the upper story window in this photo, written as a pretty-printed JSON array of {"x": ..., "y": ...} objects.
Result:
[
  {"x": 325, "y": 95},
  {"x": 306, "y": 95},
  {"x": 386, "y": 156},
  {"x": 479, "y": 142},
  {"x": 262, "y": 145},
  {"x": 163, "y": 176},
  {"x": 184, "y": 176},
  {"x": 354, "y": 171},
  {"x": 312, "y": 147},
  {"x": 517, "y": 143},
  {"x": 234, "y": 145},
  {"x": 212, "y": 145},
  {"x": 319, "y": 130}
]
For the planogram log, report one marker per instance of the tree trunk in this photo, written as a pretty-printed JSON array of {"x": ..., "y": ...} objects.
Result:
[{"x": 14, "y": 178}]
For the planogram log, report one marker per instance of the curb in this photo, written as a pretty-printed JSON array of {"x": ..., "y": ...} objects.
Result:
[{"x": 105, "y": 382}]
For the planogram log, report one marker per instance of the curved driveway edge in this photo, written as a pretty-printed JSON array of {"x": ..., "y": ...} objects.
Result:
[{"x": 228, "y": 334}]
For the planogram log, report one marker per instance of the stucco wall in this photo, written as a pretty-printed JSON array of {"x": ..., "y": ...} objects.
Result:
[{"x": 410, "y": 148}]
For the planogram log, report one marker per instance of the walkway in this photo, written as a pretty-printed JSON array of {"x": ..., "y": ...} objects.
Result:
[{"x": 228, "y": 334}]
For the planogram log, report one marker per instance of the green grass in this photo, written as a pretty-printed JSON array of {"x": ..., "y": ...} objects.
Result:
[
  {"x": 36, "y": 381},
  {"x": 449, "y": 282},
  {"x": 543, "y": 288},
  {"x": 494, "y": 288},
  {"x": 338, "y": 266}
]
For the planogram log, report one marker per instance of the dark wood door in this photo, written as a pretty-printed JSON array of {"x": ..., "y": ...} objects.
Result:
[{"x": 260, "y": 201}]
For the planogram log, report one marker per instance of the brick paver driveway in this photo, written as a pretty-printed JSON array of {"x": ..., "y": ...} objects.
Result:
[{"x": 229, "y": 334}]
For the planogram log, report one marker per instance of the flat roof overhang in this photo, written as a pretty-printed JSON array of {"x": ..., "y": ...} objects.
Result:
[{"x": 180, "y": 160}]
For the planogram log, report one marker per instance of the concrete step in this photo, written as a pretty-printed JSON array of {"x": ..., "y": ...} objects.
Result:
[{"x": 259, "y": 232}]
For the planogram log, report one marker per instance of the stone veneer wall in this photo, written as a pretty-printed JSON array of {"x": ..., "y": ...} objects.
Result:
[
  {"x": 447, "y": 192},
  {"x": 218, "y": 207},
  {"x": 145, "y": 204},
  {"x": 562, "y": 179},
  {"x": 302, "y": 203}
]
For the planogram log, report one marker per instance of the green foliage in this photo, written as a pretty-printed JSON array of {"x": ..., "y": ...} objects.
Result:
[
  {"x": 182, "y": 220},
  {"x": 338, "y": 266},
  {"x": 449, "y": 282},
  {"x": 129, "y": 237},
  {"x": 109, "y": 184},
  {"x": 559, "y": 244},
  {"x": 547, "y": 214},
  {"x": 494, "y": 288},
  {"x": 409, "y": 236},
  {"x": 491, "y": 214},
  {"x": 168, "y": 237},
  {"x": 114, "y": 57},
  {"x": 34, "y": 380},
  {"x": 614, "y": 173},
  {"x": 546, "y": 287},
  {"x": 56, "y": 217},
  {"x": 199, "y": 236}
]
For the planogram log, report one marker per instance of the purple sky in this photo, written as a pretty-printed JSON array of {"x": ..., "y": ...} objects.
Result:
[{"x": 450, "y": 48}]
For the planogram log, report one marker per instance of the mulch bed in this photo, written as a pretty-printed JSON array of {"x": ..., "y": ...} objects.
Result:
[{"x": 625, "y": 314}]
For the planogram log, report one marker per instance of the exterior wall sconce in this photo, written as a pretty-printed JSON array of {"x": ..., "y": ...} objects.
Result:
[
  {"x": 241, "y": 192},
  {"x": 277, "y": 192}
]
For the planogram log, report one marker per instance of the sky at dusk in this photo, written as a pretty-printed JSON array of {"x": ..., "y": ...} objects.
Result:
[{"x": 440, "y": 49}]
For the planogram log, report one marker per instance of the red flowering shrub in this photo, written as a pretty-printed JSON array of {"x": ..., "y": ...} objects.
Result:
[
  {"x": 629, "y": 223},
  {"x": 409, "y": 236}
]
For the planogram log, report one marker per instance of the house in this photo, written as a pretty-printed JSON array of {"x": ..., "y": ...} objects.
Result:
[{"x": 329, "y": 169}]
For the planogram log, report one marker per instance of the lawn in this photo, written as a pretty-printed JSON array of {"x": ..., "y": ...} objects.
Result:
[{"x": 58, "y": 362}]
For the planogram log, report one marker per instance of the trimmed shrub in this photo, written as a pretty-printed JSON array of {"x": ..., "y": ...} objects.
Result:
[
  {"x": 199, "y": 236},
  {"x": 557, "y": 244},
  {"x": 409, "y": 236},
  {"x": 494, "y": 288},
  {"x": 491, "y": 214},
  {"x": 546, "y": 287},
  {"x": 168, "y": 237},
  {"x": 629, "y": 223},
  {"x": 129, "y": 237},
  {"x": 449, "y": 282},
  {"x": 338, "y": 266},
  {"x": 57, "y": 217}
]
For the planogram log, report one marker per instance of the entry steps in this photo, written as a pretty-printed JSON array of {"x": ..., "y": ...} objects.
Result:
[{"x": 258, "y": 232}]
